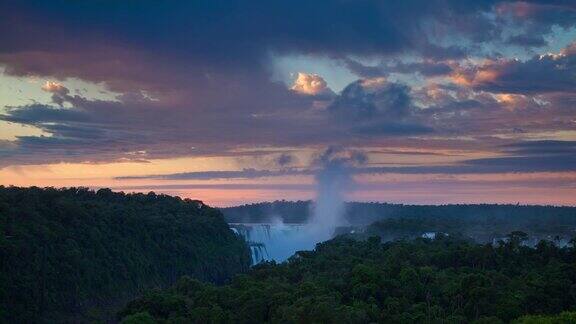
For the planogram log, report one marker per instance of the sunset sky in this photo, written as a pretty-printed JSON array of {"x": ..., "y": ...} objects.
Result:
[{"x": 234, "y": 101}]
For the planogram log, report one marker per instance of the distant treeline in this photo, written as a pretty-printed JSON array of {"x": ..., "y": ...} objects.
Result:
[
  {"x": 482, "y": 221},
  {"x": 70, "y": 255},
  {"x": 445, "y": 280}
]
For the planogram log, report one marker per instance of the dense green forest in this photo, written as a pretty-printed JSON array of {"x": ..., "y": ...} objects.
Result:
[
  {"x": 76, "y": 255},
  {"x": 68, "y": 255},
  {"x": 287, "y": 211},
  {"x": 483, "y": 230},
  {"x": 445, "y": 280},
  {"x": 481, "y": 222}
]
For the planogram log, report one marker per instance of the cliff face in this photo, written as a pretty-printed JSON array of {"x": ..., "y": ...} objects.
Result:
[{"x": 69, "y": 255}]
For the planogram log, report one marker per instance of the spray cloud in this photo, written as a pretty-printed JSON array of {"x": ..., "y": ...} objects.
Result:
[
  {"x": 333, "y": 180},
  {"x": 334, "y": 168}
]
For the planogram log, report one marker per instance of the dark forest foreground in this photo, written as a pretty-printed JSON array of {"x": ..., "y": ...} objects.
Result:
[
  {"x": 75, "y": 255},
  {"x": 445, "y": 280}
]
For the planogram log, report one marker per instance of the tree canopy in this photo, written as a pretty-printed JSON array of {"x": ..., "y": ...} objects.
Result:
[
  {"x": 482, "y": 222},
  {"x": 73, "y": 254},
  {"x": 445, "y": 280}
]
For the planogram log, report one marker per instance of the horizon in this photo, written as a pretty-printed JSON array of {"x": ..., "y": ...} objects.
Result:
[
  {"x": 312, "y": 201},
  {"x": 424, "y": 103}
]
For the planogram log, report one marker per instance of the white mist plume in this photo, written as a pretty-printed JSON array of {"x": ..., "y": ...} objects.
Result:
[{"x": 333, "y": 180}]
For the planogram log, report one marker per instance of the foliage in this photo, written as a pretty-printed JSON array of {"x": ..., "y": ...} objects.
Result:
[
  {"x": 287, "y": 211},
  {"x": 562, "y": 318},
  {"x": 445, "y": 280},
  {"x": 482, "y": 222},
  {"x": 75, "y": 254}
]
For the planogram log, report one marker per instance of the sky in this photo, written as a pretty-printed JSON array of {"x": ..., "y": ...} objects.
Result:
[{"x": 235, "y": 101}]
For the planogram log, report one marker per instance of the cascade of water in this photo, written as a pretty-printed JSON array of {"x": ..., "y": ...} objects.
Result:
[
  {"x": 272, "y": 241},
  {"x": 333, "y": 180},
  {"x": 259, "y": 252}
]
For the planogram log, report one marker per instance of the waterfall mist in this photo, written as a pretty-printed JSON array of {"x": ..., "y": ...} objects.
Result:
[
  {"x": 278, "y": 241},
  {"x": 333, "y": 180}
]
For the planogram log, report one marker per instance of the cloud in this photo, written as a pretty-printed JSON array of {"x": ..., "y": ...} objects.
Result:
[
  {"x": 528, "y": 40},
  {"x": 311, "y": 84},
  {"x": 392, "y": 129},
  {"x": 372, "y": 98},
  {"x": 341, "y": 157},
  {"x": 537, "y": 17},
  {"x": 220, "y": 186},
  {"x": 528, "y": 157},
  {"x": 59, "y": 92},
  {"x": 439, "y": 186},
  {"x": 55, "y": 87},
  {"x": 457, "y": 110},
  {"x": 210, "y": 175},
  {"x": 538, "y": 147},
  {"x": 541, "y": 74},
  {"x": 525, "y": 157},
  {"x": 428, "y": 68},
  {"x": 375, "y": 106},
  {"x": 340, "y": 26},
  {"x": 330, "y": 157},
  {"x": 37, "y": 114},
  {"x": 285, "y": 159},
  {"x": 364, "y": 71},
  {"x": 121, "y": 40},
  {"x": 198, "y": 75}
]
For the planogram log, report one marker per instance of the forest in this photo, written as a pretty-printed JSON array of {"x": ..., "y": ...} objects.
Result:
[
  {"x": 75, "y": 255},
  {"x": 445, "y": 280},
  {"x": 81, "y": 256},
  {"x": 481, "y": 222}
]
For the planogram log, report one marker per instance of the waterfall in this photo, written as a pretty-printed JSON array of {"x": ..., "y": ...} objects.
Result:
[
  {"x": 272, "y": 242},
  {"x": 259, "y": 252}
]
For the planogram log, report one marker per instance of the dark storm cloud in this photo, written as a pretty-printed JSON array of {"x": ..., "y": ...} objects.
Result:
[
  {"x": 436, "y": 52},
  {"x": 537, "y": 17},
  {"x": 54, "y": 142},
  {"x": 373, "y": 107},
  {"x": 364, "y": 71},
  {"x": 426, "y": 68},
  {"x": 150, "y": 44},
  {"x": 220, "y": 29},
  {"x": 362, "y": 101},
  {"x": 194, "y": 77},
  {"x": 285, "y": 159},
  {"x": 541, "y": 74},
  {"x": 527, "y": 40},
  {"x": 37, "y": 114}
]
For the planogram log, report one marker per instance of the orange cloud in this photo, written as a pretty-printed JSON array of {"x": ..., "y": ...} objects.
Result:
[
  {"x": 512, "y": 101},
  {"x": 484, "y": 74},
  {"x": 54, "y": 87},
  {"x": 310, "y": 84}
]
